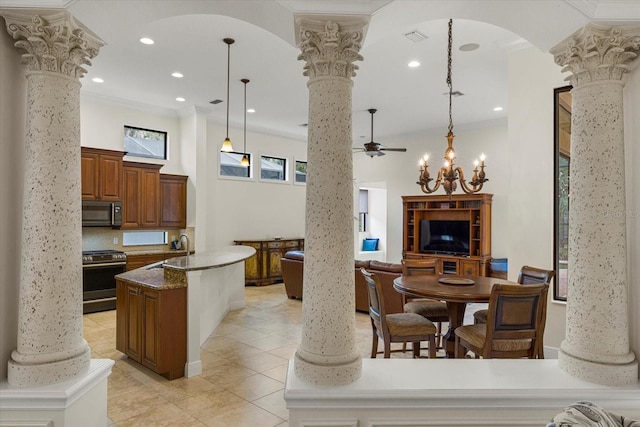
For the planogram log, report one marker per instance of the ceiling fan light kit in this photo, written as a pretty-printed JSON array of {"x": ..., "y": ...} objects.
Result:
[{"x": 449, "y": 174}]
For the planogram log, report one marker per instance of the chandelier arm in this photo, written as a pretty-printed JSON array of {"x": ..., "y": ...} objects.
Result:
[
  {"x": 424, "y": 181},
  {"x": 475, "y": 184}
]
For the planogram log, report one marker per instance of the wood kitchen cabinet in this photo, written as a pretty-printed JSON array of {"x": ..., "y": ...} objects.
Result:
[
  {"x": 141, "y": 195},
  {"x": 173, "y": 201},
  {"x": 140, "y": 260},
  {"x": 263, "y": 268},
  {"x": 151, "y": 327},
  {"x": 101, "y": 174}
]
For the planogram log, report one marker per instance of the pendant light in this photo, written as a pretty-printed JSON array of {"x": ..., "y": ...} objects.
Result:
[
  {"x": 245, "y": 158},
  {"x": 226, "y": 145}
]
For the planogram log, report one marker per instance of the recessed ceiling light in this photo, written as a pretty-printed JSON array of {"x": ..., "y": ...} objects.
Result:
[
  {"x": 180, "y": 99},
  {"x": 414, "y": 64},
  {"x": 177, "y": 75},
  {"x": 146, "y": 40},
  {"x": 251, "y": 110},
  {"x": 97, "y": 80},
  {"x": 469, "y": 47},
  {"x": 497, "y": 109}
]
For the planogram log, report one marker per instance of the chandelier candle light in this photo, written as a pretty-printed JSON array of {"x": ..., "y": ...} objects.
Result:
[
  {"x": 449, "y": 174},
  {"x": 226, "y": 145}
]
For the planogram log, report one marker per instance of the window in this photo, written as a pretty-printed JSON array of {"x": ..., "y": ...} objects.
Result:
[
  {"x": 273, "y": 168},
  {"x": 230, "y": 165},
  {"x": 301, "y": 172},
  {"x": 137, "y": 238},
  {"x": 562, "y": 144},
  {"x": 145, "y": 143}
]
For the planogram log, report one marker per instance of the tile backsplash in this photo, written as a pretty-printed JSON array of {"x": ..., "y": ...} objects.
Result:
[{"x": 100, "y": 238}]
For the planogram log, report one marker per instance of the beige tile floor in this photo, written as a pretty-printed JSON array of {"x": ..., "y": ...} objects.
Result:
[{"x": 244, "y": 368}]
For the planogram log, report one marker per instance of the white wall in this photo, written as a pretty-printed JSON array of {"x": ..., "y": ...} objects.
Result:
[
  {"x": 12, "y": 139},
  {"x": 532, "y": 77}
]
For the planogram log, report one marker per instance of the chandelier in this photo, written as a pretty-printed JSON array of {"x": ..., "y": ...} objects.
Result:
[{"x": 449, "y": 173}]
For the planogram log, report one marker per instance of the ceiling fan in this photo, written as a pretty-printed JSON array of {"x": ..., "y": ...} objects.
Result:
[{"x": 373, "y": 149}]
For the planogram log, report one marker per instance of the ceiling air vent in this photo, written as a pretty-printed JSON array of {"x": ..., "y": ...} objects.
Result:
[
  {"x": 415, "y": 36},
  {"x": 215, "y": 101}
]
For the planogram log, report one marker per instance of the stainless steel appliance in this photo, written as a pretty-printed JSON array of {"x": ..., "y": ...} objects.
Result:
[
  {"x": 96, "y": 213},
  {"x": 98, "y": 281}
]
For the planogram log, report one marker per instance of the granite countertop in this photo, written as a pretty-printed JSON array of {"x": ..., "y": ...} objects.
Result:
[
  {"x": 210, "y": 259},
  {"x": 171, "y": 273}
]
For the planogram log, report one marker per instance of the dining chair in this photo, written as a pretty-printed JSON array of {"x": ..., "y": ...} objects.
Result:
[
  {"x": 526, "y": 276},
  {"x": 434, "y": 310},
  {"x": 396, "y": 327},
  {"x": 514, "y": 328}
]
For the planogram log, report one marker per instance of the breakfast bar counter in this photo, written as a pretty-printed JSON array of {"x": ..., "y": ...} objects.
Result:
[{"x": 193, "y": 292}]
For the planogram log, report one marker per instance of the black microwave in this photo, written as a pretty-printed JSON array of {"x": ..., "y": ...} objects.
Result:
[{"x": 101, "y": 214}]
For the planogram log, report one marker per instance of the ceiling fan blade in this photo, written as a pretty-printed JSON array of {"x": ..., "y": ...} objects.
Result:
[{"x": 403, "y": 150}]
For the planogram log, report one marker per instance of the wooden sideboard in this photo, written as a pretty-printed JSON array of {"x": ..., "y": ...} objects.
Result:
[{"x": 264, "y": 267}]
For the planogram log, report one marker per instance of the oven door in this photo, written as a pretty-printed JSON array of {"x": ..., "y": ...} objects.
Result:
[{"x": 99, "y": 286}]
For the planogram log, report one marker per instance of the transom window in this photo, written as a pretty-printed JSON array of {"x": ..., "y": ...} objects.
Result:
[
  {"x": 273, "y": 168},
  {"x": 230, "y": 165},
  {"x": 301, "y": 172},
  {"x": 145, "y": 143}
]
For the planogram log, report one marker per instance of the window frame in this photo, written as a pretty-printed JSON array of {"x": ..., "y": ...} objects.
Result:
[
  {"x": 559, "y": 283},
  {"x": 285, "y": 170},
  {"x": 249, "y": 176},
  {"x": 165, "y": 143},
  {"x": 295, "y": 170}
]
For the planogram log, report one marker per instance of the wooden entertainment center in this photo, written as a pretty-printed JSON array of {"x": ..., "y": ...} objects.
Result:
[{"x": 474, "y": 208}]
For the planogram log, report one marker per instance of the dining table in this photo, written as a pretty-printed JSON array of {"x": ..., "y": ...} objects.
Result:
[{"x": 456, "y": 291}]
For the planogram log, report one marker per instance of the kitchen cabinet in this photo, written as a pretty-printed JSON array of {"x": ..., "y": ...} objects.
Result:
[
  {"x": 173, "y": 201},
  {"x": 141, "y": 195},
  {"x": 263, "y": 268},
  {"x": 101, "y": 174},
  {"x": 471, "y": 209},
  {"x": 140, "y": 260},
  {"x": 151, "y": 327}
]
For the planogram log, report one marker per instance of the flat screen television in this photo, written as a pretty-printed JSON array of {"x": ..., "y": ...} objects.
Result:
[{"x": 444, "y": 237}]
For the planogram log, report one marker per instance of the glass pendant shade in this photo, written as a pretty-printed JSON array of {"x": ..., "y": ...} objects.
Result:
[
  {"x": 245, "y": 161},
  {"x": 226, "y": 146}
]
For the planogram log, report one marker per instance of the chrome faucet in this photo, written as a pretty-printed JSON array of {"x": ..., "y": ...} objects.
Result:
[{"x": 186, "y": 237}]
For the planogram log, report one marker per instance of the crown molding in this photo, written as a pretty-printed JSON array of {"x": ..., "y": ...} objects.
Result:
[
  {"x": 608, "y": 10},
  {"x": 35, "y": 4}
]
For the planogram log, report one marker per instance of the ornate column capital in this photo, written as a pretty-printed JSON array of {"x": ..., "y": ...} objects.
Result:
[
  {"x": 56, "y": 43},
  {"x": 597, "y": 52},
  {"x": 331, "y": 46}
]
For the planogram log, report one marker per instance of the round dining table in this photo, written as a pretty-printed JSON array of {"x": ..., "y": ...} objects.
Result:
[{"x": 456, "y": 291}]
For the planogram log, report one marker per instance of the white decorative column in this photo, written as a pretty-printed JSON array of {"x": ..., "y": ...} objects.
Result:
[
  {"x": 596, "y": 347},
  {"x": 50, "y": 346},
  {"x": 327, "y": 354}
]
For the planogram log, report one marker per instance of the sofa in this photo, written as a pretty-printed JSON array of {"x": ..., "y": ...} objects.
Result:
[{"x": 292, "y": 264}]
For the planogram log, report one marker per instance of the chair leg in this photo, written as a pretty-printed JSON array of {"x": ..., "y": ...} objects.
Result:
[
  {"x": 416, "y": 349},
  {"x": 387, "y": 350},
  {"x": 439, "y": 336},
  {"x": 459, "y": 349},
  {"x": 374, "y": 345},
  {"x": 432, "y": 347}
]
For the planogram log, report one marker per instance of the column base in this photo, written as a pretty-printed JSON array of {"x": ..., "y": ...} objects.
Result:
[
  {"x": 326, "y": 374},
  {"x": 78, "y": 402},
  {"x": 598, "y": 372},
  {"x": 39, "y": 374}
]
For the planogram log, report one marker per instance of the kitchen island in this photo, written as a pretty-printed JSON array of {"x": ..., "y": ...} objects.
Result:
[{"x": 166, "y": 310}]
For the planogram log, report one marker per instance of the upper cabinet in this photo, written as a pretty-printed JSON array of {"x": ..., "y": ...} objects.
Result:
[
  {"x": 173, "y": 201},
  {"x": 101, "y": 174},
  {"x": 141, "y": 195}
]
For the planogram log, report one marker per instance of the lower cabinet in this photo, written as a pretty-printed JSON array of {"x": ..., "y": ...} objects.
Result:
[
  {"x": 137, "y": 261},
  {"x": 151, "y": 327}
]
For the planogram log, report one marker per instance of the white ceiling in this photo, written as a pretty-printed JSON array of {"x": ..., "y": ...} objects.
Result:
[{"x": 188, "y": 38}]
